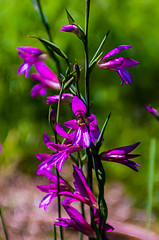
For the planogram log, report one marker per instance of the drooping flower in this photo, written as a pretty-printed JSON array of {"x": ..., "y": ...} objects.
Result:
[
  {"x": 66, "y": 97},
  {"x": 49, "y": 160},
  {"x": 118, "y": 64},
  {"x": 52, "y": 189},
  {"x": 153, "y": 111},
  {"x": 76, "y": 221},
  {"x": 86, "y": 128},
  {"x": 46, "y": 78},
  {"x": 31, "y": 56},
  {"x": 82, "y": 191},
  {"x": 121, "y": 155}
]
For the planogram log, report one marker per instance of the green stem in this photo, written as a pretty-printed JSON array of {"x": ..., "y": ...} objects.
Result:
[
  {"x": 86, "y": 56},
  {"x": 59, "y": 205},
  {"x": 3, "y": 225},
  {"x": 150, "y": 183},
  {"x": 46, "y": 25},
  {"x": 55, "y": 235}
]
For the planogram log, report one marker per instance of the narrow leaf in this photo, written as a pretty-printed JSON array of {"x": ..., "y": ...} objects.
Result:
[
  {"x": 92, "y": 64},
  {"x": 100, "y": 47},
  {"x": 98, "y": 144},
  {"x": 55, "y": 48},
  {"x": 70, "y": 18}
]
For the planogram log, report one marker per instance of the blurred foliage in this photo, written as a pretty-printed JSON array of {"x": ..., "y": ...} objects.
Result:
[{"x": 23, "y": 120}]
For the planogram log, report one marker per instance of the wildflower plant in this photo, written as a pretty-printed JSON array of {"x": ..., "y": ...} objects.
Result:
[{"x": 81, "y": 136}]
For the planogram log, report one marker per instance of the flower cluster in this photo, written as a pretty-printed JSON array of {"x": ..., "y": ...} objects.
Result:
[{"x": 81, "y": 137}]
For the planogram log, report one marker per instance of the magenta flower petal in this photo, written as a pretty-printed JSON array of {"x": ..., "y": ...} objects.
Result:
[
  {"x": 117, "y": 64},
  {"x": 62, "y": 132},
  {"x": 45, "y": 72},
  {"x": 128, "y": 62},
  {"x": 47, "y": 200},
  {"x": 121, "y": 155},
  {"x": 125, "y": 76},
  {"x": 78, "y": 106},
  {"x": 48, "y": 83},
  {"x": 43, "y": 156},
  {"x": 31, "y": 50},
  {"x": 82, "y": 137},
  {"x": 70, "y": 28},
  {"x": 24, "y": 68},
  {"x": 38, "y": 89},
  {"x": 116, "y": 50},
  {"x": 153, "y": 111},
  {"x": 71, "y": 124},
  {"x": 30, "y": 56},
  {"x": 52, "y": 145},
  {"x": 80, "y": 223},
  {"x": 82, "y": 186}
]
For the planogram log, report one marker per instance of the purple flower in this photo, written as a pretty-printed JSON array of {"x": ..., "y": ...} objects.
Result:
[
  {"x": 118, "y": 64},
  {"x": 82, "y": 192},
  {"x": 64, "y": 150},
  {"x": 86, "y": 128},
  {"x": 66, "y": 97},
  {"x": 70, "y": 28},
  {"x": 0, "y": 148},
  {"x": 46, "y": 78},
  {"x": 52, "y": 189},
  {"x": 73, "y": 29},
  {"x": 30, "y": 56},
  {"x": 153, "y": 111},
  {"x": 121, "y": 155},
  {"x": 76, "y": 221}
]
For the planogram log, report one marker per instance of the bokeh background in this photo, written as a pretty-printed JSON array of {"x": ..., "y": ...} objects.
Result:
[{"x": 23, "y": 120}]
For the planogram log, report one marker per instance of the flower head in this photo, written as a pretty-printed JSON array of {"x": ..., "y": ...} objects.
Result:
[
  {"x": 118, "y": 64},
  {"x": 31, "y": 56},
  {"x": 121, "y": 155},
  {"x": 86, "y": 128}
]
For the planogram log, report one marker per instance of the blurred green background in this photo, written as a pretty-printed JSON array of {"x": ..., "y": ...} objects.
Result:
[{"x": 23, "y": 120}]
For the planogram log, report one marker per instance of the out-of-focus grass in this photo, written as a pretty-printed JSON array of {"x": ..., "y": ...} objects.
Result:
[
  {"x": 23, "y": 120},
  {"x": 150, "y": 184}
]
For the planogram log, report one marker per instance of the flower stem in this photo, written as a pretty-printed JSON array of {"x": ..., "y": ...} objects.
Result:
[
  {"x": 3, "y": 225},
  {"x": 47, "y": 27},
  {"x": 86, "y": 56}
]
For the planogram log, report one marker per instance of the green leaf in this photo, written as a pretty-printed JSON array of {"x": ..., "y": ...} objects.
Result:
[
  {"x": 100, "y": 47},
  {"x": 70, "y": 18},
  {"x": 99, "y": 141},
  {"x": 39, "y": 10},
  {"x": 92, "y": 64},
  {"x": 69, "y": 83},
  {"x": 55, "y": 48}
]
